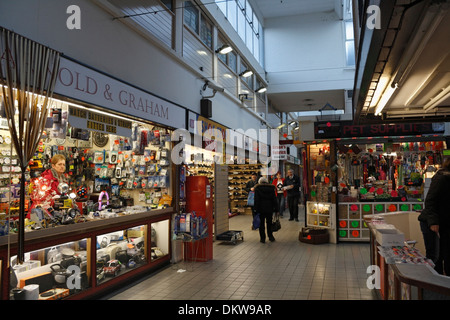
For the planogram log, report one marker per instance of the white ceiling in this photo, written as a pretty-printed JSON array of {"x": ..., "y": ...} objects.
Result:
[
  {"x": 281, "y": 8},
  {"x": 300, "y": 101}
]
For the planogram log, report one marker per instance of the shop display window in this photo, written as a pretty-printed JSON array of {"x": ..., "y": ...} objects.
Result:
[
  {"x": 120, "y": 252},
  {"x": 114, "y": 167},
  {"x": 159, "y": 239},
  {"x": 51, "y": 273}
]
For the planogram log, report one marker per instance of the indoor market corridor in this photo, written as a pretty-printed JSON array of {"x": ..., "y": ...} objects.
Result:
[{"x": 292, "y": 271}]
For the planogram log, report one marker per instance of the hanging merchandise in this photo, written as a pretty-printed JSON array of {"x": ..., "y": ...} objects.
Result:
[{"x": 385, "y": 177}]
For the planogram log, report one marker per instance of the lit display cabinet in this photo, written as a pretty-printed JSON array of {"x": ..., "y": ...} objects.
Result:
[
  {"x": 51, "y": 273},
  {"x": 119, "y": 252},
  {"x": 159, "y": 240},
  {"x": 322, "y": 215},
  {"x": 79, "y": 263}
]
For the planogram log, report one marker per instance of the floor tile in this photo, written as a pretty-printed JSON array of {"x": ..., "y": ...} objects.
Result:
[{"x": 286, "y": 269}]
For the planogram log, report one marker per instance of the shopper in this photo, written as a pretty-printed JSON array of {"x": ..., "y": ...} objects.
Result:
[
  {"x": 435, "y": 220},
  {"x": 250, "y": 186},
  {"x": 292, "y": 186},
  {"x": 266, "y": 205},
  {"x": 278, "y": 182}
]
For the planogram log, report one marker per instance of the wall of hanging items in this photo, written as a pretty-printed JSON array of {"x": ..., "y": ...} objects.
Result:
[
  {"x": 381, "y": 178},
  {"x": 319, "y": 166}
]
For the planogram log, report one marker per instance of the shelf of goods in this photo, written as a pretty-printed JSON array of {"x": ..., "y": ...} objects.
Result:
[
  {"x": 351, "y": 224},
  {"x": 238, "y": 176}
]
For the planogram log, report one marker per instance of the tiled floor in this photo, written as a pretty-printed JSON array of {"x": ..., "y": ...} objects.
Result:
[{"x": 285, "y": 269}]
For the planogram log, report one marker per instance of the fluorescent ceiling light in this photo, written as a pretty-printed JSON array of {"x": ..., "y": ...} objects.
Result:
[
  {"x": 441, "y": 96},
  {"x": 387, "y": 94},
  {"x": 261, "y": 90}
]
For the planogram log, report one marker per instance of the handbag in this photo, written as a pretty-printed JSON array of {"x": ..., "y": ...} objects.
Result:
[
  {"x": 251, "y": 199},
  {"x": 276, "y": 224},
  {"x": 256, "y": 221}
]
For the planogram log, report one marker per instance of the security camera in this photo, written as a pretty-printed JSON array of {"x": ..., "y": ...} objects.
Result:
[{"x": 213, "y": 86}]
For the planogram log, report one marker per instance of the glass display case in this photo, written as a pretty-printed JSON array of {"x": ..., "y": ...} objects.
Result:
[
  {"x": 120, "y": 252},
  {"x": 51, "y": 273},
  {"x": 159, "y": 239},
  {"x": 322, "y": 215}
]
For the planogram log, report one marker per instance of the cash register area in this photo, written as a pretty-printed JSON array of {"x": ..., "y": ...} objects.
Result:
[{"x": 286, "y": 269}]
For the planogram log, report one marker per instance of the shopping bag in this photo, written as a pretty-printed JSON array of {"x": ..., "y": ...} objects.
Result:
[
  {"x": 251, "y": 199},
  {"x": 276, "y": 224},
  {"x": 256, "y": 221}
]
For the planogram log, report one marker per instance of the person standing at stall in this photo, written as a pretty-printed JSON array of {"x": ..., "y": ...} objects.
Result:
[
  {"x": 435, "y": 220},
  {"x": 278, "y": 182},
  {"x": 266, "y": 205},
  {"x": 292, "y": 186},
  {"x": 56, "y": 173},
  {"x": 45, "y": 187}
]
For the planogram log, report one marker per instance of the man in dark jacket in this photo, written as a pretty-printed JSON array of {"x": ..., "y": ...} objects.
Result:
[
  {"x": 435, "y": 220},
  {"x": 266, "y": 204},
  {"x": 292, "y": 185}
]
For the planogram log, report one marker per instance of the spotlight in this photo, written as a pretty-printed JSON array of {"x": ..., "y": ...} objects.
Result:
[
  {"x": 247, "y": 73},
  {"x": 261, "y": 90},
  {"x": 226, "y": 48}
]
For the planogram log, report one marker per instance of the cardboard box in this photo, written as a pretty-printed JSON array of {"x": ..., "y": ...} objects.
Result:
[{"x": 390, "y": 237}]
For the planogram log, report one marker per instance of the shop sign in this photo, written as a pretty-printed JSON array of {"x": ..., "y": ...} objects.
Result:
[
  {"x": 84, "y": 84},
  {"x": 279, "y": 152},
  {"x": 347, "y": 130},
  {"x": 402, "y": 129},
  {"x": 88, "y": 120}
]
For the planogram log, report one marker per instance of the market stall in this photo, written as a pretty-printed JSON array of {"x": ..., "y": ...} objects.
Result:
[
  {"x": 382, "y": 177},
  {"x": 110, "y": 218}
]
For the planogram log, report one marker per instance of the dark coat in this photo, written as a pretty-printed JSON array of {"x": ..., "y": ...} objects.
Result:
[
  {"x": 250, "y": 184},
  {"x": 295, "y": 181},
  {"x": 437, "y": 202},
  {"x": 265, "y": 199}
]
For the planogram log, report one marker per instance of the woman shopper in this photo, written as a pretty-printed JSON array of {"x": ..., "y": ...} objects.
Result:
[
  {"x": 278, "y": 182},
  {"x": 265, "y": 204},
  {"x": 435, "y": 220}
]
